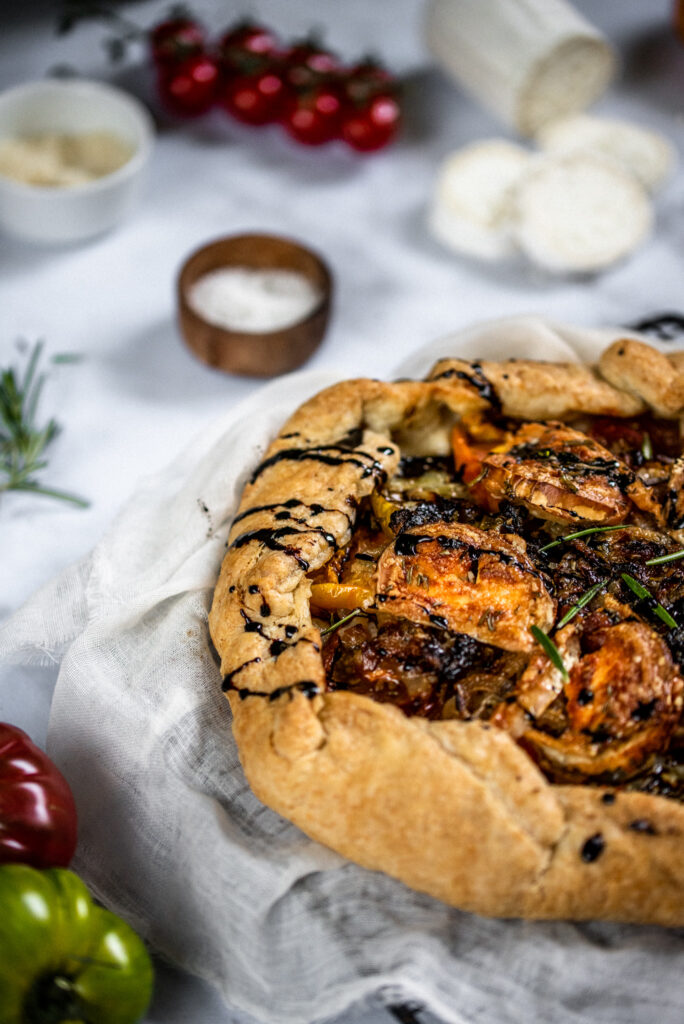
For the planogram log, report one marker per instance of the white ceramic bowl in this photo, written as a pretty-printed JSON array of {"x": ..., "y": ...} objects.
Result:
[{"x": 68, "y": 214}]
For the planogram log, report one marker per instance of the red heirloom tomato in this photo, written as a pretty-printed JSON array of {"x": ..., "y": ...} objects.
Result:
[
  {"x": 175, "y": 40},
  {"x": 255, "y": 98},
  {"x": 373, "y": 125},
  {"x": 37, "y": 810},
  {"x": 315, "y": 116},
  {"x": 191, "y": 88}
]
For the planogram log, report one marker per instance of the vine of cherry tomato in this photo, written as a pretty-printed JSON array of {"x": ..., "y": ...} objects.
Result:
[{"x": 253, "y": 78}]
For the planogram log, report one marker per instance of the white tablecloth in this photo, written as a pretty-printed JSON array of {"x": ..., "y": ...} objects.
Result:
[{"x": 137, "y": 396}]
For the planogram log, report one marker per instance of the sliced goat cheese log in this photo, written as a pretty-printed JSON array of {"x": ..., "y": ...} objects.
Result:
[
  {"x": 473, "y": 199},
  {"x": 528, "y": 61},
  {"x": 580, "y": 213},
  {"x": 647, "y": 154}
]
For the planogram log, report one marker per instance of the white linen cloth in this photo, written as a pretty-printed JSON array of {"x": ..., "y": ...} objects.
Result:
[{"x": 171, "y": 836}]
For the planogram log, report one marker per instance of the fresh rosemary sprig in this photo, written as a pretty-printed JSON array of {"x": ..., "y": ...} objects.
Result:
[
  {"x": 666, "y": 558},
  {"x": 340, "y": 622},
  {"x": 641, "y": 592},
  {"x": 586, "y": 597},
  {"x": 550, "y": 649},
  {"x": 22, "y": 442},
  {"x": 581, "y": 533}
]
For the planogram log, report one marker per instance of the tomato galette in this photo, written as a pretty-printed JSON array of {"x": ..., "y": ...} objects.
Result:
[{"x": 451, "y": 629}]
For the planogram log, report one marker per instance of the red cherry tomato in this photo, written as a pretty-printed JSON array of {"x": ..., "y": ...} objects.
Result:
[
  {"x": 191, "y": 88},
  {"x": 373, "y": 126},
  {"x": 315, "y": 117},
  {"x": 366, "y": 80},
  {"x": 37, "y": 810},
  {"x": 257, "y": 98},
  {"x": 245, "y": 40},
  {"x": 308, "y": 64},
  {"x": 175, "y": 40}
]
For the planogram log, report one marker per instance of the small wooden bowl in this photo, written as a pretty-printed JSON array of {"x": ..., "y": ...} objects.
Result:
[{"x": 256, "y": 354}]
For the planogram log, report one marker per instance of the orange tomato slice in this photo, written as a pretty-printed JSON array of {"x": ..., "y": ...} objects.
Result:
[
  {"x": 467, "y": 456},
  {"x": 334, "y": 596},
  {"x": 383, "y": 511}
]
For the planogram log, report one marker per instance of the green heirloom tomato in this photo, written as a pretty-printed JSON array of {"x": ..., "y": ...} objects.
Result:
[{"x": 64, "y": 960}]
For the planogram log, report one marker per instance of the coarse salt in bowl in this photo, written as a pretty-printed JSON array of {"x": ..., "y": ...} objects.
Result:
[
  {"x": 253, "y": 299},
  {"x": 75, "y": 212},
  {"x": 254, "y": 304}
]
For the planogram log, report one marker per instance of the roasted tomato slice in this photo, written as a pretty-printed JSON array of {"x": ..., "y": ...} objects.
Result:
[
  {"x": 557, "y": 473},
  {"x": 462, "y": 578},
  {"x": 621, "y": 701}
]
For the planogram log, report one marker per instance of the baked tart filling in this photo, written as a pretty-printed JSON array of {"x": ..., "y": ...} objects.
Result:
[
  {"x": 534, "y": 579},
  {"x": 450, "y": 623}
]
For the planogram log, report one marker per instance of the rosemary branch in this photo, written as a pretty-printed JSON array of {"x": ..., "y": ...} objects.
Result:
[
  {"x": 666, "y": 558},
  {"x": 23, "y": 443},
  {"x": 581, "y": 533},
  {"x": 645, "y": 595},
  {"x": 550, "y": 649},
  {"x": 583, "y": 600},
  {"x": 340, "y": 622}
]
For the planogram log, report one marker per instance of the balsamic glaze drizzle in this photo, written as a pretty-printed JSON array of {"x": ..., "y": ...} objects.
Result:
[
  {"x": 271, "y": 539},
  {"x": 478, "y": 381},
  {"x": 317, "y": 453},
  {"x": 665, "y": 326},
  {"x": 308, "y": 687},
  {"x": 406, "y": 544},
  {"x": 674, "y": 521},
  {"x": 592, "y": 848},
  {"x": 277, "y": 646},
  {"x": 612, "y": 470},
  {"x": 315, "y": 509},
  {"x": 227, "y": 683}
]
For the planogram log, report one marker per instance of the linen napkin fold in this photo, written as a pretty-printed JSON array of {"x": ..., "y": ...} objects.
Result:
[{"x": 171, "y": 836}]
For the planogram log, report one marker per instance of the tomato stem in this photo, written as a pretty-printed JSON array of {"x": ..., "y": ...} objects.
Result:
[{"x": 52, "y": 1000}]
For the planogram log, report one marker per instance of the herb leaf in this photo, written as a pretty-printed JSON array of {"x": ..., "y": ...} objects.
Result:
[
  {"x": 340, "y": 622},
  {"x": 586, "y": 597},
  {"x": 581, "y": 533},
  {"x": 22, "y": 442},
  {"x": 647, "y": 447},
  {"x": 641, "y": 591},
  {"x": 550, "y": 650},
  {"x": 666, "y": 558}
]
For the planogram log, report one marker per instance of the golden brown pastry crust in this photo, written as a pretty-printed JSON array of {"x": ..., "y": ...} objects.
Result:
[{"x": 454, "y": 809}]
